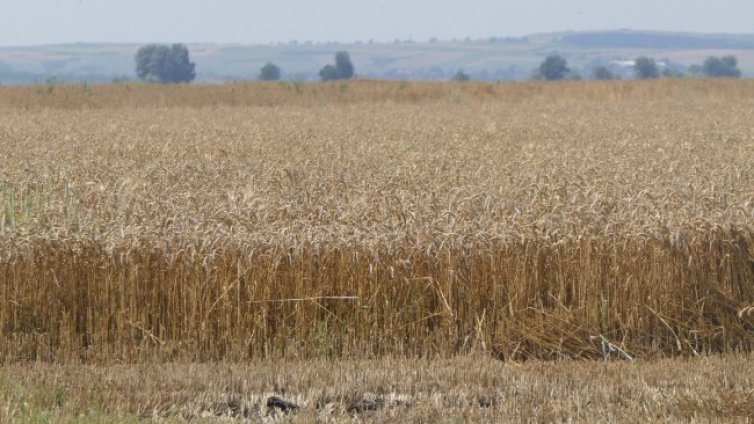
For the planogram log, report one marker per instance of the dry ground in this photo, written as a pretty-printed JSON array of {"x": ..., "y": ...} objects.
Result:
[{"x": 465, "y": 389}]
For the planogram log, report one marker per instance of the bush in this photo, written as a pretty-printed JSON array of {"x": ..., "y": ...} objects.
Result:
[
  {"x": 602, "y": 73},
  {"x": 269, "y": 72},
  {"x": 672, "y": 73},
  {"x": 328, "y": 73},
  {"x": 460, "y": 76}
]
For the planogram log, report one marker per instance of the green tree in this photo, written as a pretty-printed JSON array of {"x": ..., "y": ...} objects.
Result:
[
  {"x": 328, "y": 73},
  {"x": 164, "y": 64},
  {"x": 269, "y": 72},
  {"x": 646, "y": 68},
  {"x": 343, "y": 68},
  {"x": 553, "y": 68},
  {"x": 602, "y": 73},
  {"x": 721, "y": 67},
  {"x": 461, "y": 76},
  {"x": 344, "y": 65}
]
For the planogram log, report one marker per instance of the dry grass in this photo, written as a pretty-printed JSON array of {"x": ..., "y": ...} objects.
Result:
[
  {"x": 464, "y": 389},
  {"x": 368, "y": 219}
]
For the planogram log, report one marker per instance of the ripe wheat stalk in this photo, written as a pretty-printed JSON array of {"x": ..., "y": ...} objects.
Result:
[{"x": 248, "y": 221}]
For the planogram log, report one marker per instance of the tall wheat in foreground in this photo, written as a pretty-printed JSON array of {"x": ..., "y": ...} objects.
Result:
[{"x": 269, "y": 220}]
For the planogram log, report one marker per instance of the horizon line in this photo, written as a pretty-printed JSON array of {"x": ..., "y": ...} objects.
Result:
[{"x": 397, "y": 40}]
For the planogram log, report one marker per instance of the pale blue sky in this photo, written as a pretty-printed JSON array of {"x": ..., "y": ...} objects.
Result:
[{"x": 28, "y": 22}]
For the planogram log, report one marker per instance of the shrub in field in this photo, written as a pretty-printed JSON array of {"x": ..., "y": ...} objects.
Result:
[
  {"x": 602, "y": 73},
  {"x": 460, "y": 76},
  {"x": 329, "y": 73}
]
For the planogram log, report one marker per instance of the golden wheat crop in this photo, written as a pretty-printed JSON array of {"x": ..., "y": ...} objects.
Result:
[{"x": 361, "y": 219}]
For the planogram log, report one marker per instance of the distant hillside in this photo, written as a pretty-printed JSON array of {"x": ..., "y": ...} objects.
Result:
[
  {"x": 492, "y": 59},
  {"x": 654, "y": 40}
]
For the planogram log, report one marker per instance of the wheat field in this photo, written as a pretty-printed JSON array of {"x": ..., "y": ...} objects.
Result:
[{"x": 369, "y": 219}]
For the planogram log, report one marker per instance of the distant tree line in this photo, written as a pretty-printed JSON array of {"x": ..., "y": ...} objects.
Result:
[
  {"x": 170, "y": 64},
  {"x": 555, "y": 68},
  {"x": 167, "y": 64},
  {"x": 721, "y": 67}
]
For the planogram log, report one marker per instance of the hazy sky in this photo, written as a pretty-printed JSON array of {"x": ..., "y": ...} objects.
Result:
[{"x": 25, "y": 22}]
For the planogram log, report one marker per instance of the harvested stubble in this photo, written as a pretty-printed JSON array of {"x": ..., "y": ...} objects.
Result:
[
  {"x": 412, "y": 219},
  {"x": 472, "y": 388}
]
